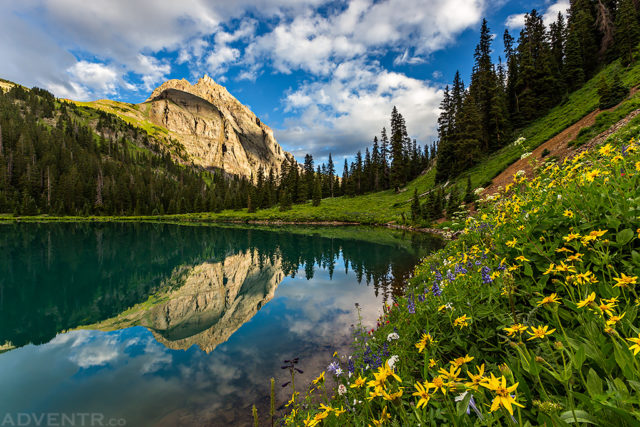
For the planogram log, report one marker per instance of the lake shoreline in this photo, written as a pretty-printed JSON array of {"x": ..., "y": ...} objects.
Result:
[{"x": 178, "y": 219}]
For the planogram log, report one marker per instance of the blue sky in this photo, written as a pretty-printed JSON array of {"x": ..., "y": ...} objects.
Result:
[{"x": 323, "y": 74}]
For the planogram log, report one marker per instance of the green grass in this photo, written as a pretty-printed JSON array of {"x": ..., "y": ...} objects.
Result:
[{"x": 607, "y": 119}]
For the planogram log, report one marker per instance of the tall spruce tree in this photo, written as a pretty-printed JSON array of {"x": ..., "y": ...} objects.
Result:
[
  {"x": 627, "y": 30},
  {"x": 398, "y": 165}
]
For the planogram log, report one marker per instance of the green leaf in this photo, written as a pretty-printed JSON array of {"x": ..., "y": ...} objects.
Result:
[
  {"x": 464, "y": 404},
  {"x": 527, "y": 270},
  {"x": 594, "y": 383},
  {"x": 577, "y": 415},
  {"x": 580, "y": 357},
  {"x": 623, "y": 237}
]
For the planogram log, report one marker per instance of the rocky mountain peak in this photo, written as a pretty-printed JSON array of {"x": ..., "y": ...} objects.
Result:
[{"x": 216, "y": 129}]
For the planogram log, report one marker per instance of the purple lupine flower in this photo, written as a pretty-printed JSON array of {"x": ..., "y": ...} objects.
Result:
[
  {"x": 486, "y": 275},
  {"x": 437, "y": 276},
  {"x": 435, "y": 289},
  {"x": 411, "y": 305},
  {"x": 460, "y": 269},
  {"x": 350, "y": 366},
  {"x": 385, "y": 350},
  {"x": 450, "y": 276}
]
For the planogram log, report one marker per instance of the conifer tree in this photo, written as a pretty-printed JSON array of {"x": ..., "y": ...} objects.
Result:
[
  {"x": 331, "y": 170},
  {"x": 627, "y": 30},
  {"x": 415, "y": 206},
  {"x": 398, "y": 164},
  {"x": 317, "y": 192}
]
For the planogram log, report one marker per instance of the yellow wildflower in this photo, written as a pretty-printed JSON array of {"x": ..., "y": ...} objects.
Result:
[
  {"x": 624, "y": 281},
  {"x": 521, "y": 258},
  {"x": 310, "y": 422},
  {"x": 358, "y": 382},
  {"x": 613, "y": 319},
  {"x": 438, "y": 384},
  {"x": 424, "y": 340},
  {"x": 518, "y": 328},
  {"x": 321, "y": 416},
  {"x": 606, "y": 307},
  {"x": 563, "y": 249},
  {"x": 588, "y": 300},
  {"x": 591, "y": 175},
  {"x": 562, "y": 267},
  {"x": 571, "y": 236},
  {"x": 432, "y": 363},
  {"x": 475, "y": 378},
  {"x": 551, "y": 269},
  {"x": 540, "y": 332},
  {"x": 606, "y": 150},
  {"x": 461, "y": 360},
  {"x": 319, "y": 379},
  {"x": 576, "y": 257},
  {"x": 511, "y": 243},
  {"x": 503, "y": 393},
  {"x": 423, "y": 393},
  {"x": 452, "y": 374},
  {"x": 462, "y": 321},
  {"x": 392, "y": 396},
  {"x": 338, "y": 412},
  {"x": 326, "y": 408},
  {"x": 584, "y": 278},
  {"x": 551, "y": 299},
  {"x": 568, "y": 213},
  {"x": 636, "y": 344},
  {"x": 384, "y": 417}
]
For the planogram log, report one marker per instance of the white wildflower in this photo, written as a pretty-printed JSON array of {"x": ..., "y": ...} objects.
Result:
[
  {"x": 478, "y": 191},
  {"x": 392, "y": 361},
  {"x": 525, "y": 155},
  {"x": 520, "y": 173},
  {"x": 342, "y": 389},
  {"x": 461, "y": 396},
  {"x": 392, "y": 336}
]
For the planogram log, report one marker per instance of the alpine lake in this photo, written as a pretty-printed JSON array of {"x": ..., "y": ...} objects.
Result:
[{"x": 145, "y": 324}]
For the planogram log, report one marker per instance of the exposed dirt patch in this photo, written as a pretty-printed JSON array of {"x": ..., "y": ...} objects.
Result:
[{"x": 558, "y": 146}]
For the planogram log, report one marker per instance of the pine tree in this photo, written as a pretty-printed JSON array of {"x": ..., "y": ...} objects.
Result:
[
  {"x": 384, "y": 158},
  {"x": 317, "y": 192},
  {"x": 331, "y": 171},
  {"x": 582, "y": 24},
  {"x": 627, "y": 30},
  {"x": 375, "y": 164},
  {"x": 285, "y": 201},
  {"x": 398, "y": 165},
  {"x": 415, "y": 206},
  {"x": 573, "y": 67}
]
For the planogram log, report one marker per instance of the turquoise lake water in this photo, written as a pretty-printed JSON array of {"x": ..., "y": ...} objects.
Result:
[{"x": 155, "y": 324}]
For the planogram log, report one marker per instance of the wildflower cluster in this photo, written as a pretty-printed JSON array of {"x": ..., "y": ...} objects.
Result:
[{"x": 530, "y": 316}]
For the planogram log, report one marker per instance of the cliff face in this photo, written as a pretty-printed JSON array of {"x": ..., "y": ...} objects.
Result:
[
  {"x": 215, "y": 300},
  {"x": 216, "y": 129}
]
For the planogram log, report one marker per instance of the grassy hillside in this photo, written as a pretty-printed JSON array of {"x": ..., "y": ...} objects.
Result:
[
  {"x": 529, "y": 318},
  {"x": 388, "y": 206}
]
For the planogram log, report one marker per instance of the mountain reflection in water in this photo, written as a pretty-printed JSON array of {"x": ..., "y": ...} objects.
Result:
[{"x": 220, "y": 306}]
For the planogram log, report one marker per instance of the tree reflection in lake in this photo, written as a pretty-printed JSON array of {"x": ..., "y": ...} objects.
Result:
[{"x": 222, "y": 306}]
